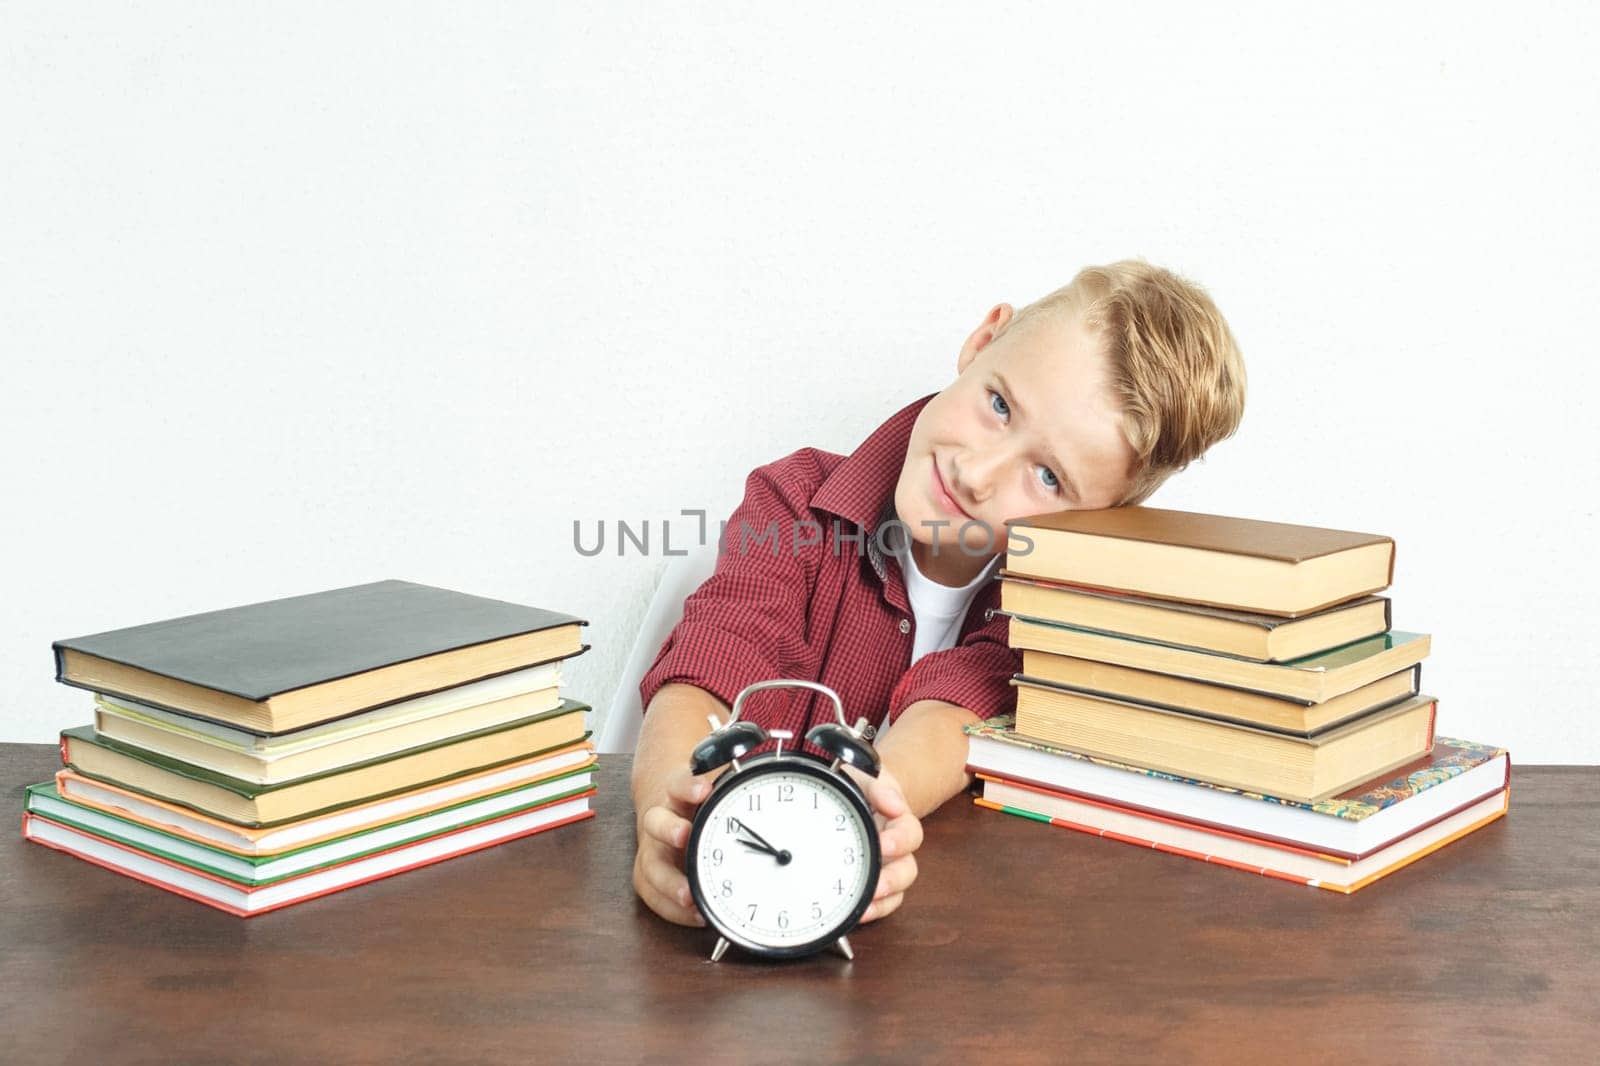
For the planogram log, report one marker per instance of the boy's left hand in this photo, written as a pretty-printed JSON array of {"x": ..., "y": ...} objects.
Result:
[{"x": 899, "y": 836}]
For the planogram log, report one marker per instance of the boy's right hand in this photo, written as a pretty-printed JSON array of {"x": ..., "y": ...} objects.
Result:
[{"x": 663, "y": 832}]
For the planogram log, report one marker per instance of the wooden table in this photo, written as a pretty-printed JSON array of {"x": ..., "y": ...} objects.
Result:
[{"x": 1019, "y": 942}]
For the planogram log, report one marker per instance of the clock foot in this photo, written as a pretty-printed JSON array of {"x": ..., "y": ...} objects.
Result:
[
  {"x": 842, "y": 946},
  {"x": 722, "y": 946}
]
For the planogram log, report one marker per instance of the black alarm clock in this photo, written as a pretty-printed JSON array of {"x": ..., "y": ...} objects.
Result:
[{"x": 783, "y": 856}]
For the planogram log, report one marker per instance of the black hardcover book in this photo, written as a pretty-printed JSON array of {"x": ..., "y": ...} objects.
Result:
[{"x": 285, "y": 664}]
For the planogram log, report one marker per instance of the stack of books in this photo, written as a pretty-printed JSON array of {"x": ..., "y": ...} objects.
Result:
[
  {"x": 261, "y": 756},
  {"x": 1229, "y": 690}
]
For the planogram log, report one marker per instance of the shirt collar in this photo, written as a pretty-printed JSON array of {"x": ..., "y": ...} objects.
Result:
[{"x": 861, "y": 489}]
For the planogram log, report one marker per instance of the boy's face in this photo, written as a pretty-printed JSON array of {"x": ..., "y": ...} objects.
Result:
[{"x": 1028, "y": 427}]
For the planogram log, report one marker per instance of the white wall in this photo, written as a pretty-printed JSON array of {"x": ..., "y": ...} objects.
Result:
[{"x": 295, "y": 298}]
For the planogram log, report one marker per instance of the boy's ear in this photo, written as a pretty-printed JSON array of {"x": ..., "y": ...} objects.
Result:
[{"x": 992, "y": 324}]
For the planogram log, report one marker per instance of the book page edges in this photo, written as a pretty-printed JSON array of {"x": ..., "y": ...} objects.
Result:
[
  {"x": 284, "y": 712},
  {"x": 1262, "y": 870},
  {"x": 220, "y": 905},
  {"x": 1344, "y": 858},
  {"x": 254, "y": 833}
]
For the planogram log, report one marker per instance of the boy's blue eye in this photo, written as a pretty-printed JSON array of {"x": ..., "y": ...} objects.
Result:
[{"x": 998, "y": 405}]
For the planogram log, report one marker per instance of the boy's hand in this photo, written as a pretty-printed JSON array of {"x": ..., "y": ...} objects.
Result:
[
  {"x": 899, "y": 836},
  {"x": 658, "y": 875}
]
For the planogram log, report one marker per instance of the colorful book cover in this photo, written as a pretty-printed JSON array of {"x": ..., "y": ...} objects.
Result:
[
  {"x": 1442, "y": 834},
  {"x": 250, "y": 842},
  {"x": 252, "y": 870},
  {"x": 1449, "y": 758},
  {"x": 247, "y": 902}
]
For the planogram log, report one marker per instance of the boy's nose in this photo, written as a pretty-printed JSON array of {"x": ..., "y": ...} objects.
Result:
[{"x": 979, "y": 474}]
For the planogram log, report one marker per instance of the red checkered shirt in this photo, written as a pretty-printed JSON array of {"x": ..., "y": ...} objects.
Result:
[{"x": 824, "y": 600}]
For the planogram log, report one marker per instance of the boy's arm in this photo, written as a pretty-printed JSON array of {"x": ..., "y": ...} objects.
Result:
[
  {"x": 940, "y": 694},
  {"x": 927, "y": 753},
  {"x": 665, "y": 795},
  {"x": 676, "y": 722},
  {"x": 744, "y": 623}
]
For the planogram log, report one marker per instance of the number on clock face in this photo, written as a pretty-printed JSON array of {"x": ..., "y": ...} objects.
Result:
[{"x": 782, "y": 858}]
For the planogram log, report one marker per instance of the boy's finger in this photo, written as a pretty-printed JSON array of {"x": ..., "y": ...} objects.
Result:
[
  {"x": 687, "y": 791},
  {"x": 662, "y": 825},
  {"x": 647, "y": 878},
  {"x": 669, "y": 882},
  {"x": 883, "y": 908},
  {"x": 886, "y": 798},
  {"x": 901, "y": 836},
  {"x": 883, "y": 792},
  {"x": 896, "y": 877},
  {"x": 670, "y": 909}
]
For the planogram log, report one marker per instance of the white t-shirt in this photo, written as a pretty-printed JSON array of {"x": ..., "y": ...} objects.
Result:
[{"x": 938, "y": 610}]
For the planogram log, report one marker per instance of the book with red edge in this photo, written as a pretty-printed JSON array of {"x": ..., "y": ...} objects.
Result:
[
  {"x": 1352, "y": 825},
  {"x": 1235, "y": 850},
  {"x": 245, "y": 902}
]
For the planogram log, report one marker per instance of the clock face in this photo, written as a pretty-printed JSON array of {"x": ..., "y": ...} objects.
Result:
[{"x": 783, "y": 858}]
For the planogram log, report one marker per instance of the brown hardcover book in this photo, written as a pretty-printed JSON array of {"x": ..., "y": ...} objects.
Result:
[
  {"x": 1218, "y": 701},
  {"x": 1264, "y": 638},
  {"x": 1255, "y": 760},
  {"x": 1238, "y": 563}
]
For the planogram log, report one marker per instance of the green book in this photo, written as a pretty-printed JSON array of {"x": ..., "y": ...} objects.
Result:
[
  {"x": 44, "y": 800},
  {"x": 250, "y": 804}
]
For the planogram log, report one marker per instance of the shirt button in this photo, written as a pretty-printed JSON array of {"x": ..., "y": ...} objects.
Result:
[{"x": 905, "y": 625}]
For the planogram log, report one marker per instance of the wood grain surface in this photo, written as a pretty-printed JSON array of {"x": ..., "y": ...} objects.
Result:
[{"x": 1019, "y": 943}]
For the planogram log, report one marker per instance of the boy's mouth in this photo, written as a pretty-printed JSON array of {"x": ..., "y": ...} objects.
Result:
[{"x": 942, "y": 495}]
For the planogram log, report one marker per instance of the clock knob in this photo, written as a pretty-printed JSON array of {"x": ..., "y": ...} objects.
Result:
[
  {"x": 725, "y": 745},
  {"x": 845, "y": 745}
]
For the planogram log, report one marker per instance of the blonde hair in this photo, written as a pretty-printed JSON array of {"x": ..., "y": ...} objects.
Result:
[{"x": 1175, "y": 367}]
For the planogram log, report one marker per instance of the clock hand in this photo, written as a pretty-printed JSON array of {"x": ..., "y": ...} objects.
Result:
[
  {"x": 753, "y": 846},
  {"x": 746, "y": 829},
  {"x": 783, "y": 856}
]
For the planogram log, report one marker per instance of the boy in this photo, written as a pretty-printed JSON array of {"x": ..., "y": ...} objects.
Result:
[{"x": 874, "y": 573}]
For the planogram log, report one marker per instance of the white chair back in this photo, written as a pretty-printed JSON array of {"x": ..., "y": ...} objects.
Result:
[{"x": 619, "y": 732}]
